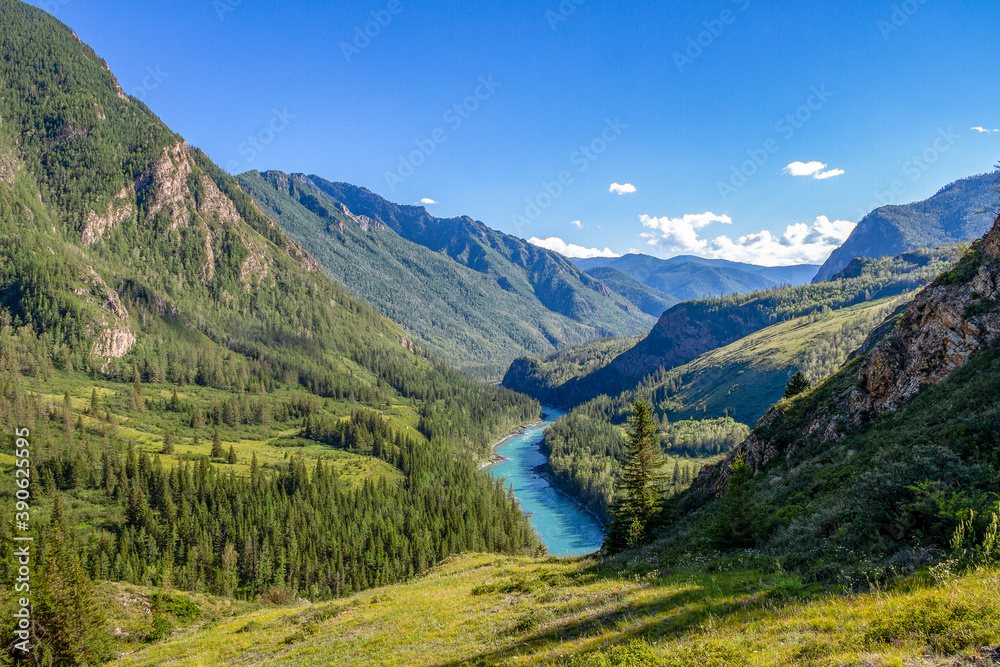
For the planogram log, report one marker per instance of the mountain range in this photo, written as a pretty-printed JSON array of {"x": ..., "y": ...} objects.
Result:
[
  {"x": 692, "y": 328},
  {"x": 473, "y": 296},
  {"x": 686, "y": 277}
]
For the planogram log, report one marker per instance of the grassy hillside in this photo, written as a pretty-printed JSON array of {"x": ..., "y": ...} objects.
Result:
[
  {"x": 460, "y": 314},
  {"x": 954, "y": 215},
  {"x": 636, "y": 610},
  {"x": 693, "y": 328},
  {"x": 743, "y": 379},
  {"x": 707, "y": 405}
]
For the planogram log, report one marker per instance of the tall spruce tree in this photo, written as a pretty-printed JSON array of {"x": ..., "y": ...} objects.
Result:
[
  {"x": 69, "y": 626},
  {"x": 639, "y": 493},
  {"x": 217, "y": 445}
]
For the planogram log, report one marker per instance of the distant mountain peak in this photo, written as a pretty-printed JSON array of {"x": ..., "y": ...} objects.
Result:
[{"x": 954, "y": 214}]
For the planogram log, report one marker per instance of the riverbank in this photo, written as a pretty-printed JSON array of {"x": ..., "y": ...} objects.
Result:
[
  {"x": 496, "y": 458},
  {"x": 542, "y": 471}
]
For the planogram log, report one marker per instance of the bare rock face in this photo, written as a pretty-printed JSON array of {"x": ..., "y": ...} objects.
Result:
[
  {"x": 114, "y": 336},
  {"x": 363, "y": 221},
  {"x": 120, "y": 209},
  {"x": 943, "y": 326},
  {"x": 8, "y": 168},
  {"x": 169, "y": 177}
]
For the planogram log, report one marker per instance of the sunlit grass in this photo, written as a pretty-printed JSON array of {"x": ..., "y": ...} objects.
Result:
[{"x": 489, "y": 610}]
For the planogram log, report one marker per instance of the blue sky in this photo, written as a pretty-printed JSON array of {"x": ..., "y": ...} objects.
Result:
[{"x": 524, "y": 114}]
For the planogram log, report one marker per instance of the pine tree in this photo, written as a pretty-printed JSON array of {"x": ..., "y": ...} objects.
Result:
[
  {"x": 231, "y": 458},
  {"x": 95, "y": 403},
  {"x": 640, "y": 488},
  {"x": 796, "y": 385},
  {"x": 67, "y": 613},
  {"x": 168, "y": 442},
  {"x": 217, "y": 445},
  {"x": 734, "y": 525}
]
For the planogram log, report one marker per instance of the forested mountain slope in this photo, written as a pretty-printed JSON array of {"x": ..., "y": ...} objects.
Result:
[
  {"x": 461, "y": 314},
  {"x": 690, "y": 329},
  {"x": 207, "y": 410},
  {"x": 513, "y": 264},
  {"x": 953, "y": 215}
]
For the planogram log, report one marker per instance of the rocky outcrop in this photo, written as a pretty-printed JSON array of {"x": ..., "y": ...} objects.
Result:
[
  {"x": 942, "y": 328},
  {"x": 363, "y": 221},
  {"x": 113, "y": 333},
  {"x": 8, "y": 168},
  {"x": 169, "y": 180},
  {"x": 946, "y": 324},
  {"x": 120, "y": 209}
]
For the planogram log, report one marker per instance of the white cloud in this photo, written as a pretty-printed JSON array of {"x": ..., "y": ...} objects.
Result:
[
  {"x": 799, "y": 168},
  {"x": 814, "y": 169},
  {"x": 622, "y": 188},
  {"x": 680, "y": 234},
  {"x": 983, "y": 129},
  {"x": 579, "y": 225},
  {"x": 427, "y": 201},
  {"x": 800, "y": 244},
  {"x": 556, "y": 244}
]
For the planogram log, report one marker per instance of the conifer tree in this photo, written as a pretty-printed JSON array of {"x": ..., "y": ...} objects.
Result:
[
  {"x": 69, "y": 622},
  {"x": 217, "y": 445},
  {"x": 168, "y": 442},
  {"x": 231, "y": 457},
  {"x": 796, "y": 385},
  {"x": 640, "y": 489},
  {"x": 734, "y": 526}
]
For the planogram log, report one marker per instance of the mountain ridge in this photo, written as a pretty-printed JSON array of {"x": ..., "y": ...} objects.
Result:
[{"x": 954, "y": 214}]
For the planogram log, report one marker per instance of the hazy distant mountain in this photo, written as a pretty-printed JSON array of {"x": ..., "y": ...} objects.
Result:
[
  {"x": 476, "y": 297},
  {"x": 687, "y": 277},
  {"x": 953, "y": 215},
  {"x": 651, "y": 301}
]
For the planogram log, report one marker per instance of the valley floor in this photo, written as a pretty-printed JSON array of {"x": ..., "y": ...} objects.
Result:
[{"x": 492, "y": 610}]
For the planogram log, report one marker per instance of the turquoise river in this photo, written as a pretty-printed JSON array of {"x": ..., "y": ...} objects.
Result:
[{"x": 565, "y": 527}]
